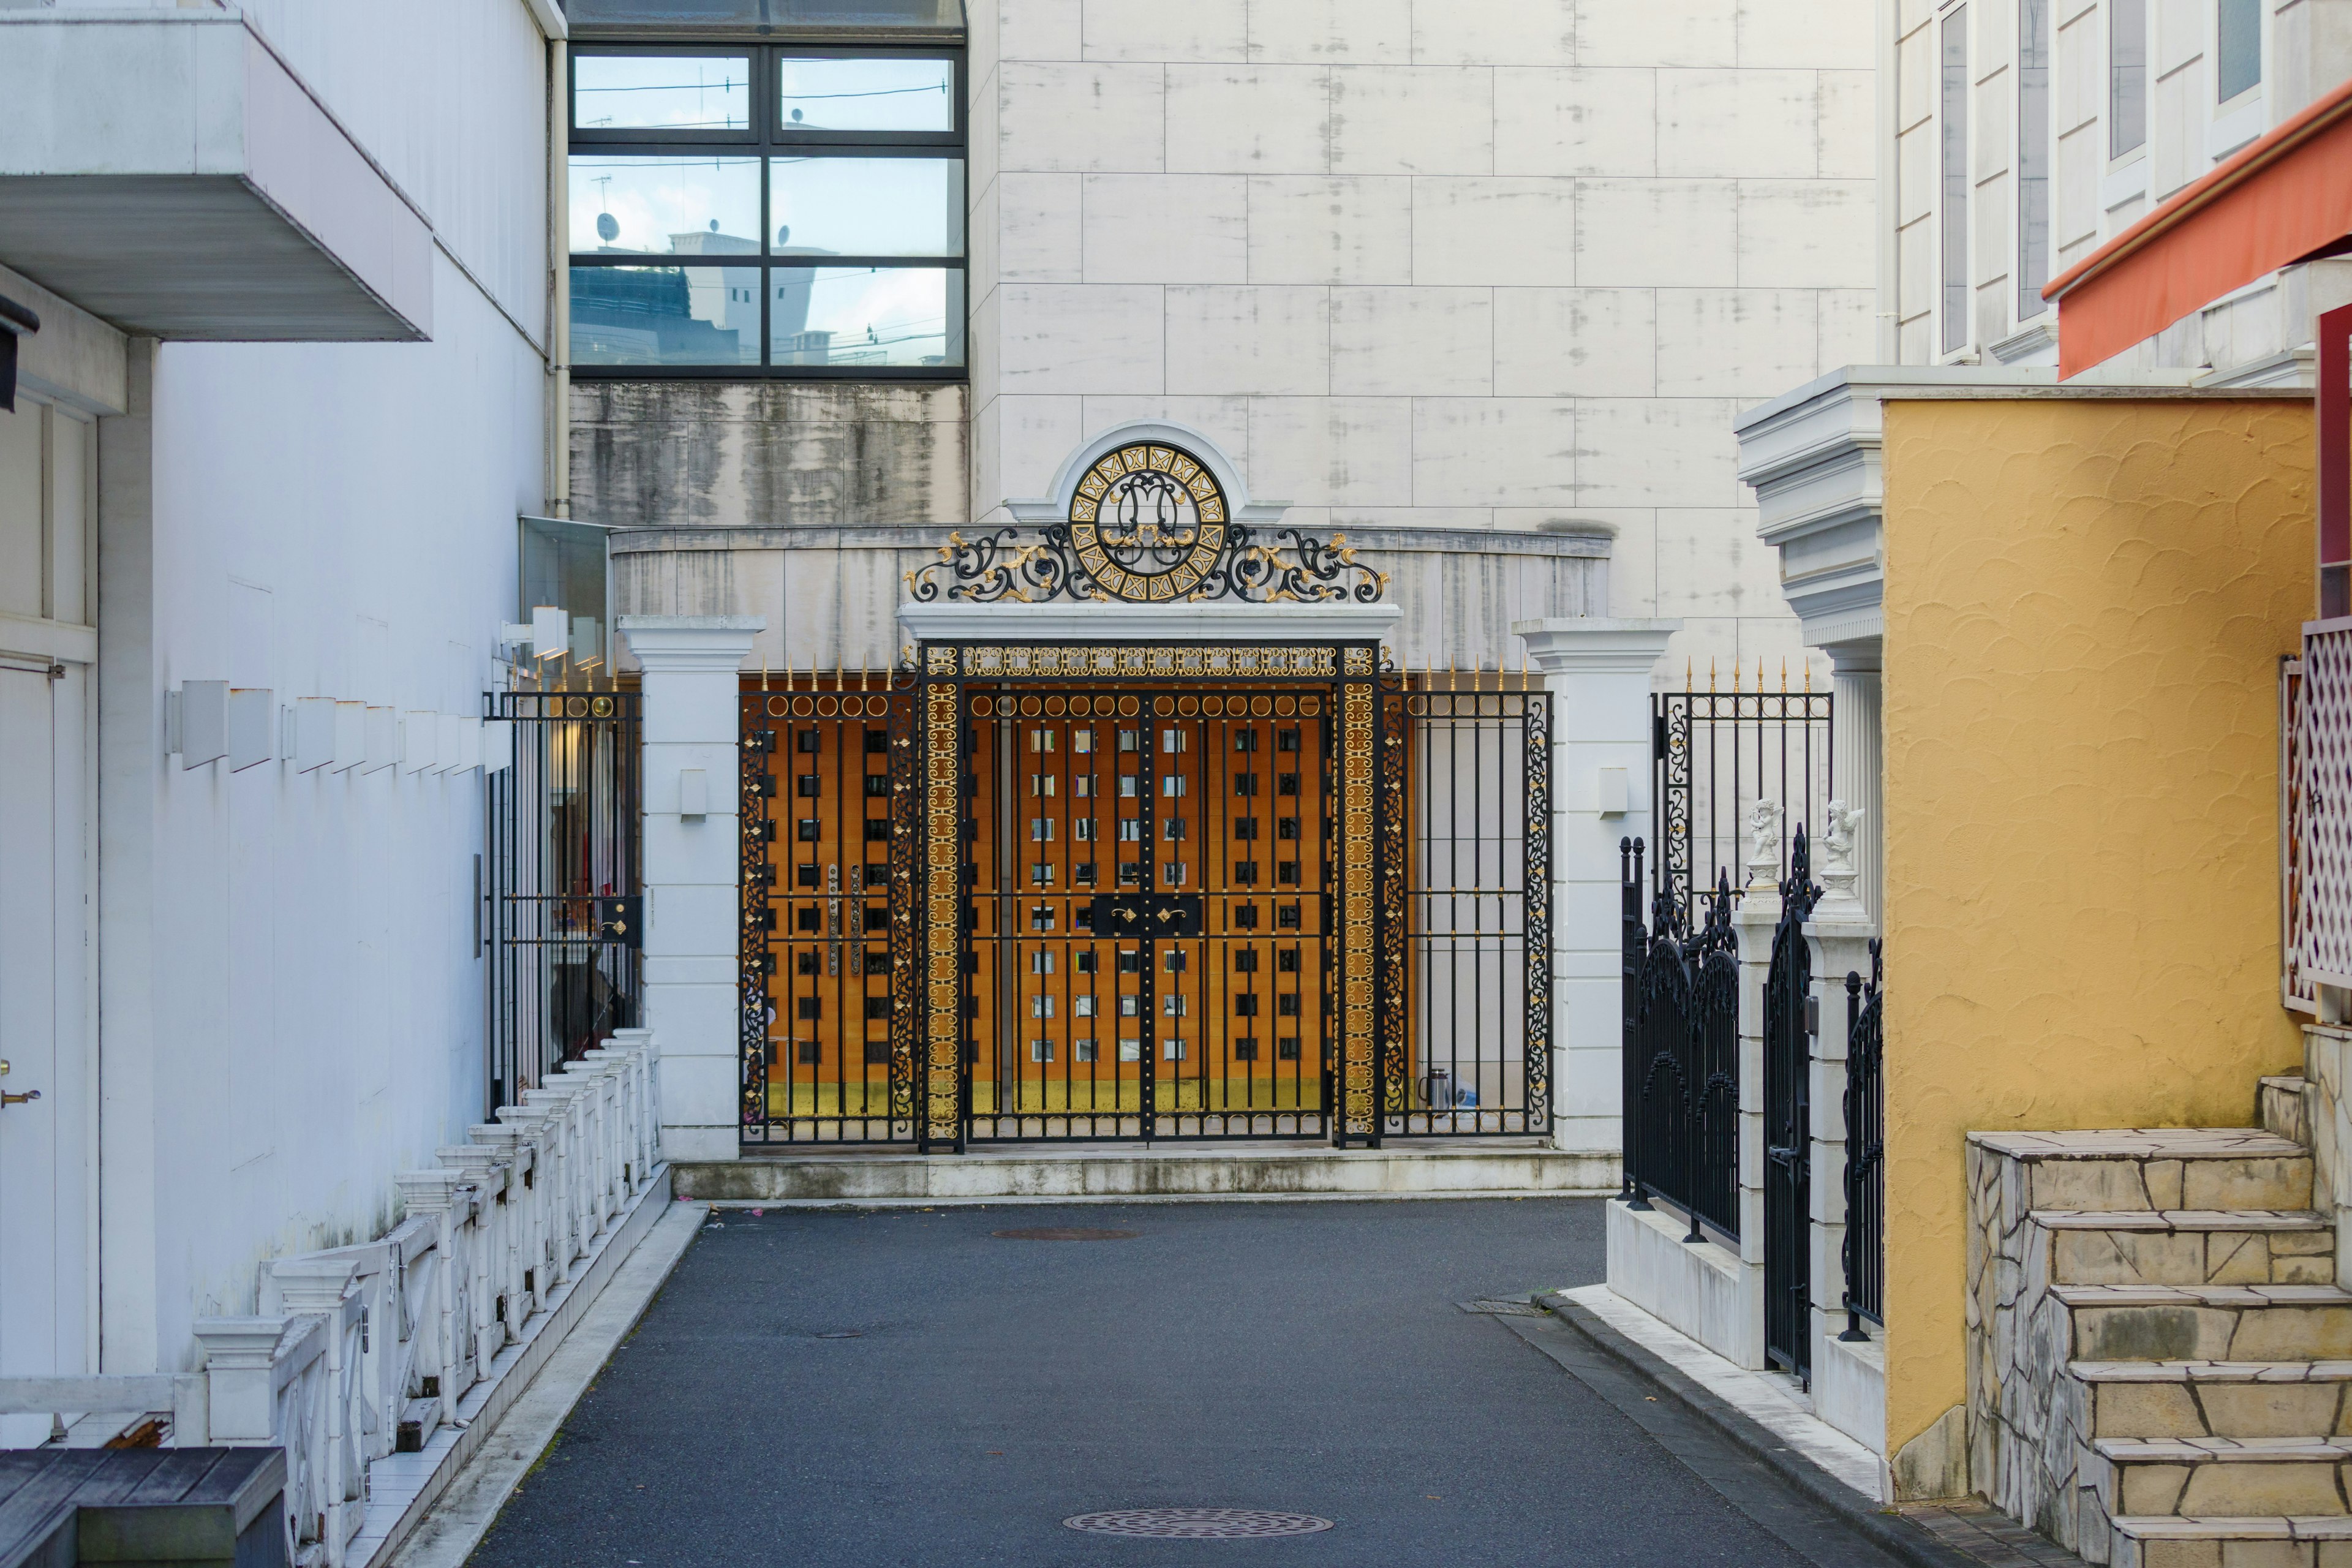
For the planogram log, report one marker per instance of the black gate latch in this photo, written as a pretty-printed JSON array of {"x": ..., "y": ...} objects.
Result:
[
  {"x": 1146, "y": 914},
  {"x": 622, "y": 919}
]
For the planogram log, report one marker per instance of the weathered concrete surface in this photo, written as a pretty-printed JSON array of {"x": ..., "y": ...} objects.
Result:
[
  {"x": 830, "y": 596},
  {"x": 1166, "y": 1171},
  {"x": 666, "y": 454}
]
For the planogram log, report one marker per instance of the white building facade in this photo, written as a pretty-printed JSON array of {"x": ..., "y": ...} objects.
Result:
[
  {"x": 288, "y": 391},
  {"x": 2021, "y": 135}
]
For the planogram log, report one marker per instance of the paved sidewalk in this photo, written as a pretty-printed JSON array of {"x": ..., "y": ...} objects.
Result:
[{"x": 823, "y": 1388}]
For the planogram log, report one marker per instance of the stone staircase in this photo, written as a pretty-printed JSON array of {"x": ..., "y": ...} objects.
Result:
[{"x": 2160, "y": 1353}]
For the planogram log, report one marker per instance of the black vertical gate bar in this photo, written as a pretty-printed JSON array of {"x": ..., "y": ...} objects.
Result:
[
  {"x": 1535, "y": 906},
  {"x": 1147, "y": 769},
  {"x": 562, "y": 833},
  {"x": 1864, "y": 1251},
  {"x": 1788, "y": 1132},
  {"x": 756, "y": 957},
  {"x": 1632, "y": 944}
]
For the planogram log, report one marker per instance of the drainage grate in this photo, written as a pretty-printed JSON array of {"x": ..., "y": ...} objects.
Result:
[
  {"x": 1197, "y": 1523},
  {"x": 1064, "y": 1233},
  {"x": 1502, "y": 1309}
]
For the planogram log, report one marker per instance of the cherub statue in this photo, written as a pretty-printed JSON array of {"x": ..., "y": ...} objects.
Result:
[
  {"x": 1764, "y": 836},
  {"x": 1845, "y": 824}
]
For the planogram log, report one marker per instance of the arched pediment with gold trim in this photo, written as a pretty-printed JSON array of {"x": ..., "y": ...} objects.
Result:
[{"x": 1147, "y": 514}]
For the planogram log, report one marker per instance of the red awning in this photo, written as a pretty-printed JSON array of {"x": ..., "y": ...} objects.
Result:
[{"x": 2281, "y": 199}]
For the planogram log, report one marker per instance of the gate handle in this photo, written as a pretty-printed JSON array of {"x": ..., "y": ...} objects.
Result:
[{"x": 23, "y": 1099}]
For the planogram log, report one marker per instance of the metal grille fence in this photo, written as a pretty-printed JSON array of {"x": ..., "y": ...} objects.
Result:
[
  {"x": 827, "y": 846},
  {"x": 561, "y": 843},
  {"x": 1715, "y": 754},
  {"x": 2319, "y": 871},
  {"x": 2297, "y": 989},
  {"x": 1477, "y": 888}
]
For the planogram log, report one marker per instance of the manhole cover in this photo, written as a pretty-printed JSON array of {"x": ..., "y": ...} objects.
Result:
[
  {"x": 1064, "y": 1233},
  {"x": 1502, "y": 1309},
  {"x": 1197, "y": 1523}
]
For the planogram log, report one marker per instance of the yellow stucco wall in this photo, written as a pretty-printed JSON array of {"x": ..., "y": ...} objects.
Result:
[{"x": 2086, "y": 605}]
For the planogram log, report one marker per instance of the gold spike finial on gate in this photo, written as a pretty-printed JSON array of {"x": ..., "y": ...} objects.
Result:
[
  {"x": 1784, "y": 674},
  {"x": 1710, "y": 672}
]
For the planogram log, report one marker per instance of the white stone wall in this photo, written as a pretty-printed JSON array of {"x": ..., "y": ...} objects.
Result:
[
  {"x": 290, "y": 989},
  {"x": 2250, "y": 336},
  {"x": 1510, "y": 264}
]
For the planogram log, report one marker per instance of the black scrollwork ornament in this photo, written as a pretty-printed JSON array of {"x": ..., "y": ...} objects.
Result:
[{"x": 1149, "y": 525}]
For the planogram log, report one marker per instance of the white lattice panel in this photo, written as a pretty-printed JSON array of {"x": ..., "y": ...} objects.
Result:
[
  {"x": 2296, "y": 989},
  {"x": 2319, "y": 825}
]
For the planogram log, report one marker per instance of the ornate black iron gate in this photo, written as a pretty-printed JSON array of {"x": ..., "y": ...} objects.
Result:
[
  {"x": 1144, "y": 892},
  {"x": 830, "y": 813},
  {"x": 1681, "y": 1064},
  {"x": 562, "y": 849},
  {"x": 1788, "y": 1124}
]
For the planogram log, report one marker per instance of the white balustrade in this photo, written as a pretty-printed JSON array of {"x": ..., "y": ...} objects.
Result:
[{"x": 361, "y": 1352}]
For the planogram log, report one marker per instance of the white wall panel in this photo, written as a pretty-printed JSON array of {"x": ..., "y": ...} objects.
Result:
[{"x": 450, "y": 98}]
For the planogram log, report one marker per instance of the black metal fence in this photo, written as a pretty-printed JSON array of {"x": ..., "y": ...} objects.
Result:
[
  {"x": 1865, "y": 1249},
  {"x": 1477, "y": 894},
  {"x": 1787, "y": 1122},
  {"x": 1715, "y": 754},
  {"x": 562, "y": 851},
  {"x": 1681, "y": 1116}
]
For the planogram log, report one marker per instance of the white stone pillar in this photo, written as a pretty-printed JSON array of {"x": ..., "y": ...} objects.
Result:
[
  {"x": 1858, "y": 760},
  {"x": 1598, "y": 672},
  {"x": 693, "y": 860}
]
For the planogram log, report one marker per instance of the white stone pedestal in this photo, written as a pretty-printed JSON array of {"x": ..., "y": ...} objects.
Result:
[
  {"x": 693, "y": 871},
  {"x": 1598, "y": 671}
]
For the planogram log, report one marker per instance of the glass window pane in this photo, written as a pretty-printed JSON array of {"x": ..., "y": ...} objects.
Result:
[
  {"x": 2242, "y": 47},
  {"x": 866, "y": 94},
  {"x": 661, "y": 92},
  {"x": 866, "y": 316},
  {"x": 2126, "y": 76},
  {"x": 2032, "y": 156},
  {"x": 666, "y": 315},
  {"x": 1954, "y": 110},
  {"x": 866, "y": 207},
  {"x": 683, "y": 205}
]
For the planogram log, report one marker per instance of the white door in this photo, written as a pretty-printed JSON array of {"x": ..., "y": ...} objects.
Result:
[{"x": 45, "y": 920}]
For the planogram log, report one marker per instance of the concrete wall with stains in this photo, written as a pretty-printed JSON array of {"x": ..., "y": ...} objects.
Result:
[
  {"x": 830, "y": 596},
  {"x": 714, "y": 454},
  {"x": 2087, "y": 602}
]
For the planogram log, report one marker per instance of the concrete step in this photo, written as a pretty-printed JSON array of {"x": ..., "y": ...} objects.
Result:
[
  {"x": 1065, "y": 1173},
  {"x": 2216, "y": 1399},
  {"x": 2283, "y": 1105},
  {"x": 2323, "y": 1541},
  {"x": 2160, "y": 1168},
  {"x": 2223, "y": 1477},
  {"x": 2206, "y": 1322},
  {"x": 2190, "y": 1247}
]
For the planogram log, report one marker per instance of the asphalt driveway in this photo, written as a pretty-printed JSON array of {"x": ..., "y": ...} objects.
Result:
[{"x": 823, "y": 1389}]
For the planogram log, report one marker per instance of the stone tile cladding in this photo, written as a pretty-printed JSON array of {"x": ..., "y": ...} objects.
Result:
[{"x": 2160, "y": 1357}]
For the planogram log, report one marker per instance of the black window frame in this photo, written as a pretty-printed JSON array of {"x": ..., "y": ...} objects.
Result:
[{"x": 764, "y": 139}]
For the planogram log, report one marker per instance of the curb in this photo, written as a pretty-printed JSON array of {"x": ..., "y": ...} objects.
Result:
[{"x": 1883, "y": 1527}]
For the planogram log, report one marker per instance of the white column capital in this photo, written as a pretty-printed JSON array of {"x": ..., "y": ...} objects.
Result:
[
  {"x": 1594, "y": 645},
  {"x": 664, "y": 642},
  {"x": 1859, "y": 656}
]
